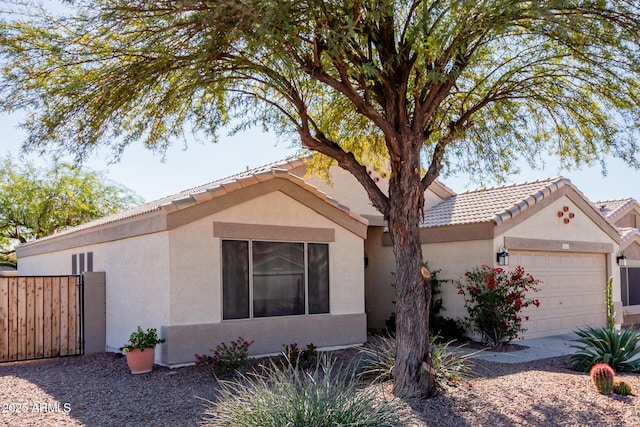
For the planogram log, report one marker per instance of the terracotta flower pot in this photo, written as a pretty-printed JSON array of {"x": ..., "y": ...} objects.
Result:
[{"x": 140, "y": 362}]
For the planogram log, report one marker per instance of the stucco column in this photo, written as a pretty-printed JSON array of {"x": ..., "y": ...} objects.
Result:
[{"x": 95, "y": 313}]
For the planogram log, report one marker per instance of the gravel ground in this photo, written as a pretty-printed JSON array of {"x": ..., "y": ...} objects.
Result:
[
  {"x": 98, "y": 390},
  {"x": 540, "y": 393}
]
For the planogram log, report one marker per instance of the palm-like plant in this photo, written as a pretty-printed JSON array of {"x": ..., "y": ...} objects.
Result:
[{"x": 619, "y": 349}]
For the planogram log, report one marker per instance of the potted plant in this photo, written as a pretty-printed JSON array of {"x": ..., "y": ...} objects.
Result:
[{"x": 140, "y": 350}]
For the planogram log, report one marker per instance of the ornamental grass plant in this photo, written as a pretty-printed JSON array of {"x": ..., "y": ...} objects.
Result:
[
  {"x": 377, "y": 360},
  {"x": 325, "y": 397}
]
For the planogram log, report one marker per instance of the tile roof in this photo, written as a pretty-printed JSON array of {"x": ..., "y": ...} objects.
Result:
[
  {"x": 612, "y": 208},
  {"x": 210, "y": 191},
  {"x": 496, "y": 204},
  {"x": 627, "y": 233}
]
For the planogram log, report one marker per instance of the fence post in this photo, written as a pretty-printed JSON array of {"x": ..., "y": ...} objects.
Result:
[{"x": 95, "y": 313}]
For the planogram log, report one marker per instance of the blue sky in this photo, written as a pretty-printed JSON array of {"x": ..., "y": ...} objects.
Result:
[{"x": 146, "y": 174}]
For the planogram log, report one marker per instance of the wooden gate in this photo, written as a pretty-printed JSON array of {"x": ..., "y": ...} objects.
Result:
[{"x": 40, "y": 317}]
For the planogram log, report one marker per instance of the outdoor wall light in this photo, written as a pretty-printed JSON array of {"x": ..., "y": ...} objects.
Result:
[
  {"x": 621, "y": 259},
  {"x": 503, "y": 256}
]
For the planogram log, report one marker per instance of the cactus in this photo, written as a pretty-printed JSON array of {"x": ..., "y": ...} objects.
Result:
[
  {"x": 602, "y": 376},
  {"x": 621, "y": 388}
]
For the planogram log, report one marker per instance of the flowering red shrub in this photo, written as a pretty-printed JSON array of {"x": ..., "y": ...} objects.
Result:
[
  {"x": 227, "y": 358},
  {"x": 494, "y": 299}
]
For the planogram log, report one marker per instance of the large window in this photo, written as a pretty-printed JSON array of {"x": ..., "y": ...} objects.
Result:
[
  {"x": 263, "y": 279},
  {"x": 630, "y": 278}
]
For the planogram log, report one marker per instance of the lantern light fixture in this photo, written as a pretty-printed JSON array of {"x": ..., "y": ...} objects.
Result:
[
  {"x": 502, "y": 257},
  {"x": 621, "y": 259}
]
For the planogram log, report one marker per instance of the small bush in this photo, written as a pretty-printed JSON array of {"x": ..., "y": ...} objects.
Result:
[
  {"x": 141, "y": 339},
  {"x": 494, "y": 299},
  {"x": 297, "y": 358},
  {"x": 449, "y": 367},
  {"x": 325, "y": 397},
  {"x": 618, "y": 349},
  {"x": 377, "y": 361},
  {"x": 227, "y": 358}
]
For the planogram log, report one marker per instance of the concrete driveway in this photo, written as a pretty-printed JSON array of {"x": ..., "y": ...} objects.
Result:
[{"x": 539, "y": 348}]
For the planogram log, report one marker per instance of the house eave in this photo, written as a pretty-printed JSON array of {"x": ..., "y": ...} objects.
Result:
[
  {"x": 188, "y": 209},
  {"x": 451, "y": 233}
]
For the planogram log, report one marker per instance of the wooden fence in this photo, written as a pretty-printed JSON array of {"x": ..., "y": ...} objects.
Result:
[{"x": 40, "y": 317}]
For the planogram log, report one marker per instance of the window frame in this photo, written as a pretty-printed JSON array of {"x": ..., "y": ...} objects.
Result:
[
  {"x": 250, "y": 241},
  {"x": 81, "y": 262},
  {"x": 625, "y": 285}
]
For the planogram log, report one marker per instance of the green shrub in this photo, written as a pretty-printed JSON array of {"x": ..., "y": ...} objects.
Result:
[
  {"x": 618, "y": 349},
  {"x": 378, "y": 358},
  {"x": 297, "y": 358},
  {"x": 141, "y": 339},
  {"x": 494, "y": 299},
  {"x": 450, "y": 367},
  {"x": 292, "y": 397},
  {"x": 227, "y": 358}
]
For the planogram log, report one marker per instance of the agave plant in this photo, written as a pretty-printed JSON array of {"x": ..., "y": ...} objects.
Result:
[{"x": 618, "y": 349}]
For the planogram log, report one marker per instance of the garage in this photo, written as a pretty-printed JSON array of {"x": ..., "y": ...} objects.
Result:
[
  {"x": 548, "y": 227},
  {"x": 572, "y": 290}
]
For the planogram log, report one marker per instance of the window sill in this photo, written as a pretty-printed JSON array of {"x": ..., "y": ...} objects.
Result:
[
  {"x": 629, "y": 310},
  {"x": 293, "y": 316}
]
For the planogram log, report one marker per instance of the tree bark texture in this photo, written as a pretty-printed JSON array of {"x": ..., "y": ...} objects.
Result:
[{"x": 412, "y": 371}]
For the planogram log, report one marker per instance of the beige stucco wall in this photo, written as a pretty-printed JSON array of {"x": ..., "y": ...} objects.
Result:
[
  {"x": 345, "y": 188},
  {"x": 546, "y": 224},
  {"x": 195, "y": 258},
  {"x": 630, "y": 217},
  {"x": 379, "y": 292},
  {"x": 173, "y": 278},
  {"x": 452, "y": 258},
  {"x": 137, "y": 277}
]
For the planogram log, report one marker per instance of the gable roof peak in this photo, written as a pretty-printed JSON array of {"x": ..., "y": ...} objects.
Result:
[
  {"x": 205, "y": 193},
  {"x": 611, "y": 209},
  {"x": 493, "y": 204}
]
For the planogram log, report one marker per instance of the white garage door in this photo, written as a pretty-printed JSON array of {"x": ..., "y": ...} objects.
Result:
[{"x": 572, "y": 292}]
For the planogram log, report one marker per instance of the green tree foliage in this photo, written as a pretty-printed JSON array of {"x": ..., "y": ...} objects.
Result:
[
  {"x": 429, "y": 86},
  {"x": 38, "y": 202}
]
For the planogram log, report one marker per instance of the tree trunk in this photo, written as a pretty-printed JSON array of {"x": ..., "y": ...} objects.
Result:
[{"x": 412, "y": 371}]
